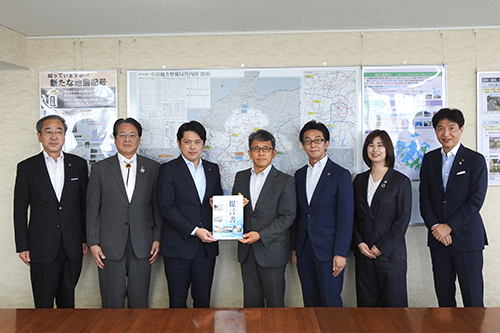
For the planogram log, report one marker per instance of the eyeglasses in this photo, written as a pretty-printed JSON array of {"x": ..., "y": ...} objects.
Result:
[
  {"x": 256, "y": 149},
  {"x": 56, "y": 133},
  {"x": 131, "y": 136},
  {"x": 309, "y": 141}
]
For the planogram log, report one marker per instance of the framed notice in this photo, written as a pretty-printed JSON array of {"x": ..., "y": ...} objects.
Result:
[
  {"x": 228, "y": 217},
  {"x": 488, "y": 122},
  {"x": 87, "y": 100}
]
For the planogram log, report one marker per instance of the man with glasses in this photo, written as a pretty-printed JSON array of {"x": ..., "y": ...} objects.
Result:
[
  {"x": 322, "y": 232},
  {"x": 186, "y": 186},
  {"x": 270, "y": 211},
  {"x": 53, "y": 185},
  {"x": 453, "y": 184},
  {"x": 123, "y": 219}
]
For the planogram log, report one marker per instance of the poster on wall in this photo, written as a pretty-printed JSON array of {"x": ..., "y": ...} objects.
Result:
[
  {"x": 232, "y": 103},
  {"x": 402, "y": 100},
  {"x": 488, "y": 122},
  {"x": 87, "y": 100}
]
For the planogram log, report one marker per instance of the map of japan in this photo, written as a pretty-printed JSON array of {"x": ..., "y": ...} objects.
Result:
[{"x": 231, "y": 104}]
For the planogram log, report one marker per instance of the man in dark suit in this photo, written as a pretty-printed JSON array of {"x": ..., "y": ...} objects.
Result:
[
  {"x": 453, "y": 184},
  {"x": 322, "y": 232},
  {"x": 53, "y": 185},
  {"x": 269, "y": 212},
  {"x": 186, "y": 186},
  {"x": 123, "y": 219}
]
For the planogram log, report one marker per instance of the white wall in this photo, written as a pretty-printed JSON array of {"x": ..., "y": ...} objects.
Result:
[{"x": 19, "y": 106}]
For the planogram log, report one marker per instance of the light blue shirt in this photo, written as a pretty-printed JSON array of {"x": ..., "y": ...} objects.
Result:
[{"x": 447, "y": 164}]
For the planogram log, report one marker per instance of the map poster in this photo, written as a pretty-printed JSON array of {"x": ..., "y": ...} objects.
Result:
[
  {"x": 87, "y": 101},
  {"x": 227, "y": 217},
  {"x": 402, "y": 100},
  {"x": 232, "y": 103},
  {"x": 488, "y": 122}
]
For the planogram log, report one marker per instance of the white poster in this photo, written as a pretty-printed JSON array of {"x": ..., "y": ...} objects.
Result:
[
  {"x": 87, "y": 101},
  {"x": 488, "y": 122}
]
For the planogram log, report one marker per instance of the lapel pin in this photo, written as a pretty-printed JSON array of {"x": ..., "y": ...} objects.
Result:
[
  {"x": 460, "y": 163},
  {"x": 328, "y": 174},
  {"x": 69, "y": 164},
  {"x": 383, "y": 185},
  {"x": 142, "y": 169}
]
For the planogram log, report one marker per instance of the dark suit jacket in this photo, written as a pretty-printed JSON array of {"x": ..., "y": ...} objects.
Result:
[
  {"x": 328, "y": 218},
  {"x": 273, "y": 215},
  {"x": 384, "y": 224},
  {"x": 459, "y": 207},
  {"x": 110, "y": 215},
  {"x": 50, "y": 221},
  {"x": 182, "y": 211}
]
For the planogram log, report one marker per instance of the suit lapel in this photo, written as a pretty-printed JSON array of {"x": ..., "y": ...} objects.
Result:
[
  {"x": 188, "y": 179},
  {"x": 43, "y": 174},
  {"x": 209, "y": 180},
  {"x": 381, "y": 188},
  {"x": 458, "y": 165},
  {"x": 323, "y": 179},
  {"x": 68, "y": 172},
  {"x": 139, "y": 176},
  {"x": 114, "y": 168},
  {"x": 268, "y": 186},
  {"x": 301, "y": 186},
  {"x": 438, "y": 167}
]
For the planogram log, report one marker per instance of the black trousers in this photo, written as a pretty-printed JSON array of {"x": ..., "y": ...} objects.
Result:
[{"x": 56, "y": 280}]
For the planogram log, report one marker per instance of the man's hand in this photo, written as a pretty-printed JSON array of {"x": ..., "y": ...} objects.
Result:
[
  {"x": 85, "y": 248},
  {"x": 98, "y": 255},
  {"x": 245, "y": 200},
  {"x": 447, "y": 240},
  {"x": 294, "y": 258},
  {"x": 338, "y": 265},
  {"x": 205, "y": 235},
  {"x": 376, "y": 251},
  {"x": 25, "y": 256},
  {"x": 365, "y": 250},
  {"x": 155, "y": 250},
  {"x": 250, "y": 237},
  {"x": 441, "y": 231}
]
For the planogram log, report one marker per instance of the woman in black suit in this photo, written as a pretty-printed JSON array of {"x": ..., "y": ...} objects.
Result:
[{"x": 382, "y": 214}]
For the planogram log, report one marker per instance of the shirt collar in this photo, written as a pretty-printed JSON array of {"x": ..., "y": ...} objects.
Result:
[
  {"x": 59, "y": 158},
  {"x": 263, "y": 172},
  {"x": 453, "y": 151},
  {"x": 123, "y": 159},
  {"x": 189, "y": 163},
  {"x": 320, "y": 163}
]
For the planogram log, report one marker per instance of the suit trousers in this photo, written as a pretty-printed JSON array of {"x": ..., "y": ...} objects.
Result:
[
  {"x": 183, "y": 273},
  {"x": 128, "y": 277},
  {"x": 381, "y": 283},
  {"x": 319, "y": 287},
  {"x": 57, "y": 280},
  {"x": 262, "y": 286},
  {"x": 447, "y": 263}
]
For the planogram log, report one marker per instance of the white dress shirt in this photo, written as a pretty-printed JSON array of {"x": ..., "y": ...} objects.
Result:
[
  {"x": 372, "y": 188},
  {"x": 130, "y": 183},
  {"x": 448, "y": 163},
  {"x": 56, "y": 172},
  {"x": 257, "y": 182},
  {"x": 313, "y": 175}
]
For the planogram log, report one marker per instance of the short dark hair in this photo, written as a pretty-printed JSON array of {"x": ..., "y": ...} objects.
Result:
[
  {"x": 313, "y": 125},
  {"x": 39, "y": 123},
  {"x": 192, "y": 126},
  {"x": 386, "y": 141},
  {"x": 262, "y": 136},
  {"x": 131, "y": 121},
  {"x": 454, "y": 115}
]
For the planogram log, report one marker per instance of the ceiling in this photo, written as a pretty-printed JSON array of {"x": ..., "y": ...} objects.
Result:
[{"x": 78, "y": 18}]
